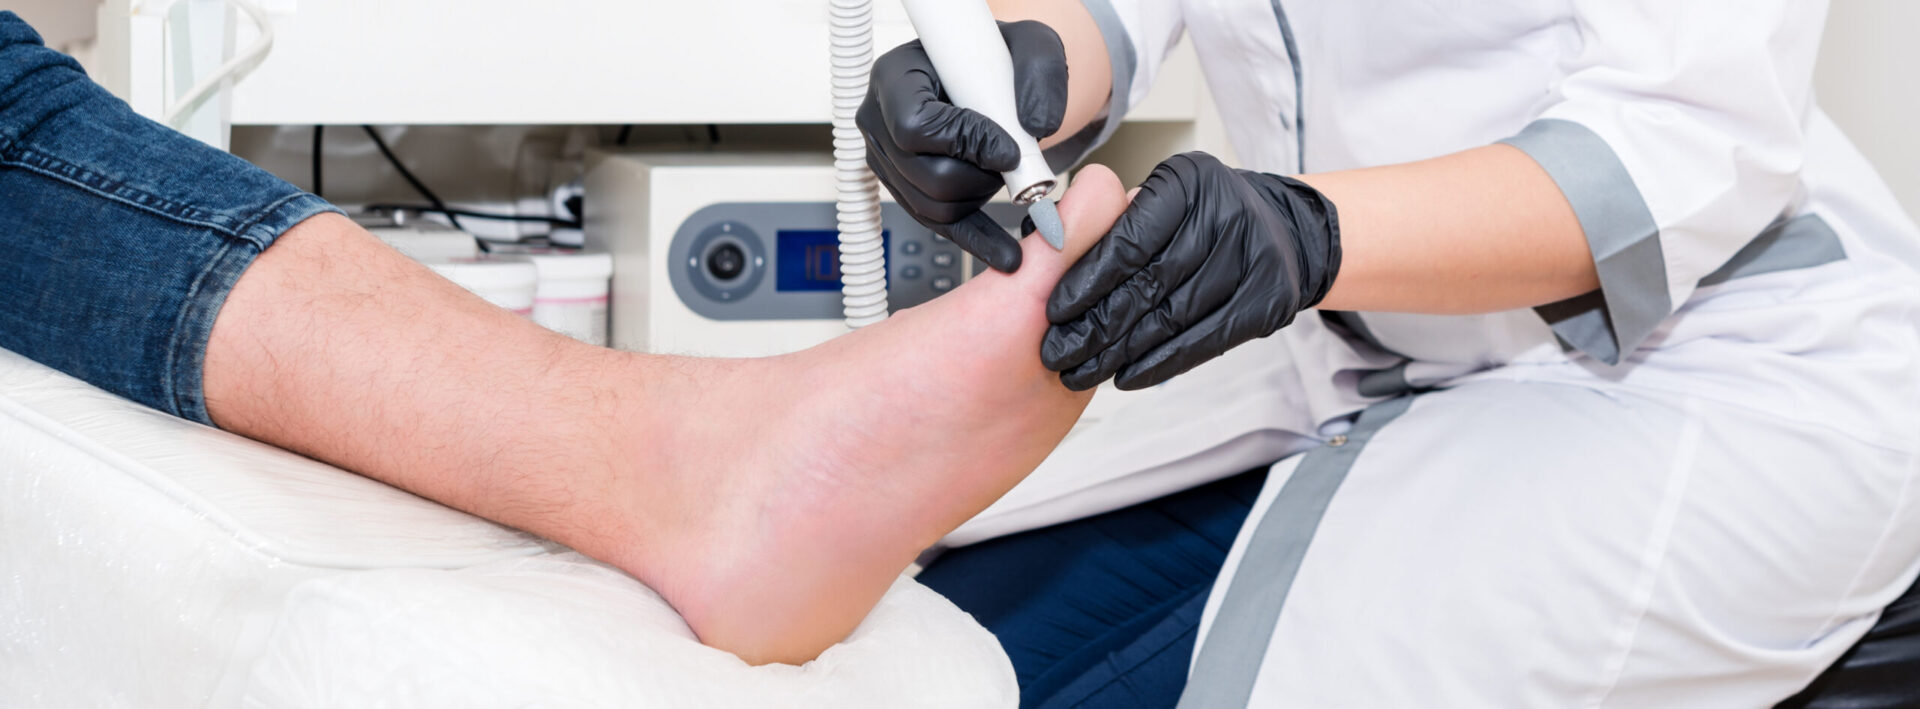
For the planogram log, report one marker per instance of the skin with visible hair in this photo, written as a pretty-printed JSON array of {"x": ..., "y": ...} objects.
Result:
[{"x": 772, "y": 501}]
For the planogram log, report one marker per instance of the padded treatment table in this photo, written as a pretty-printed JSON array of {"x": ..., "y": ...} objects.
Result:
[{"x": 149, "y": 561}]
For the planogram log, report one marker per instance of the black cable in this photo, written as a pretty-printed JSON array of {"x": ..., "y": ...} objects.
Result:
[
  {"x": 626, "y": 132},
  {"x": 319, "y": 139},
  {"x": 713, "y": 134},
  {"x": 418, "y": 186},
  {"x": 552, "y": 221}
]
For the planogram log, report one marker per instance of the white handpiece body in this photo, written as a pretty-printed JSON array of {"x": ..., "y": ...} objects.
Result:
[{"x": 971, "y": 56}]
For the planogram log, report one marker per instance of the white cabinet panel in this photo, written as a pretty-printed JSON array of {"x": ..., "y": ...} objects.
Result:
[{"x": 570, "y": 61}]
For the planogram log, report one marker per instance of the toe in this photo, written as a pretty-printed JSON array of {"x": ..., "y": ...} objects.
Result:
[{"x": 1090, "y": 207}]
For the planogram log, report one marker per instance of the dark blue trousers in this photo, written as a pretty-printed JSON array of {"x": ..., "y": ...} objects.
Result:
[{"x": 1102, "y": 612}]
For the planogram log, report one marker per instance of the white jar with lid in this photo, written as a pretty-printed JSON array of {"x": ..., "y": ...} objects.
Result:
[
  {"x": 571, "y": 298},
  {"x": 507, "y": 281}
]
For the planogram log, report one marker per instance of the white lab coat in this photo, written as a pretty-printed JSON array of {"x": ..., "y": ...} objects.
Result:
[{"x": 1692, "y": 487}]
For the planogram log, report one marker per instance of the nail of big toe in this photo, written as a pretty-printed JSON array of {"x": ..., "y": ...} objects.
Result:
[{"x": 1089, "y": 184}]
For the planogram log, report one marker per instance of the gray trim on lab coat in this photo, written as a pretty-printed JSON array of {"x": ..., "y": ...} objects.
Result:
[
  {"x": 1120, "y": 53},
  {"x": 1236, "y": 642},
  {"x": 1621, "y": 232}
]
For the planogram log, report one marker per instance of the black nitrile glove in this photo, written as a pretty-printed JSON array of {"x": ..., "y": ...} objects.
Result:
[
  {"x": 942, "y": 162},
  {"x": 1206, "y": 257}
]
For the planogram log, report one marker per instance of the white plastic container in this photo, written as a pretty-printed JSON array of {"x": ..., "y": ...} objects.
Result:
[
  {"x": 571, "y": 298},
  {"x": 506, "y": 281},
  {"x": 424, "y": 241}
]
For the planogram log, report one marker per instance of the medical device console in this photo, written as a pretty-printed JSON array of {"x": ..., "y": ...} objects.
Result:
[{"x": 736, "y": 254}]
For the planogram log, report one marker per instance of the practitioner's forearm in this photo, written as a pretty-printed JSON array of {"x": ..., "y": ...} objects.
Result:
[
  {"x": 1478, "y": 231},
  {"x": 1089, "y": 68}
]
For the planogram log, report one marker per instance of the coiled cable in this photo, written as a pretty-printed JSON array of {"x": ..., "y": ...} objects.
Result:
[{"x": 863, "y": 257}]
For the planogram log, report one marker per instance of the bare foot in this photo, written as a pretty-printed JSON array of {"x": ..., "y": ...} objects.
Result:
[
  {"x": 822, "y": 474},
  {"x": 771, "y": 501}
]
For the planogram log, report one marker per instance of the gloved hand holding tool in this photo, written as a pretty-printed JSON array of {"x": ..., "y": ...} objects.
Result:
[
  {"x": 1207, "y": 257},
  {"x": 942, "y": 162}
]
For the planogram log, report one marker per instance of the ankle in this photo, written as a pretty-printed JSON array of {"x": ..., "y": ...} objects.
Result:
[{"x": 681, "y": 468}]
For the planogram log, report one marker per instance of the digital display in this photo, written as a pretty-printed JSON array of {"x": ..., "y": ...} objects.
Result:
[{"x": 809, "y": 259}]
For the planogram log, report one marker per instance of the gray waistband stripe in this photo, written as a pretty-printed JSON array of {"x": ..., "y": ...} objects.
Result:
[
  {"x": 1391, "y": 381},
  {"x": 1236, "y": 645},
  {"x": 1801, "y": 242}
]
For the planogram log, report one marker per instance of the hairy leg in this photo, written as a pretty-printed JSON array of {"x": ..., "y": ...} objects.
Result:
[
  {"x": 337, "y": 347},
  {"x": 771, "y": 501}
]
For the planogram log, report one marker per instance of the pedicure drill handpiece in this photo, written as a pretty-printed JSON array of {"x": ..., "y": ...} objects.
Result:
[{"x": 965, "y": 45}]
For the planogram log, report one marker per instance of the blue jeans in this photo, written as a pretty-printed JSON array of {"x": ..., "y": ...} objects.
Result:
[
  {"x": 119, "y": 238},
  {"x": 1105, "y": 610}
]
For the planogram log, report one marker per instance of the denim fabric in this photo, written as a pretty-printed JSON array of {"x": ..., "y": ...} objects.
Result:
[
  {"x": 119, "y": 238},
  {"x": 1106, "y": 609}
]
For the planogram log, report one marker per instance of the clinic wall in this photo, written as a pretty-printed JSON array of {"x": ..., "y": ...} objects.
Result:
[
  {"x": 1865, "y": 80},
  {"x": 60, "y": 22}
]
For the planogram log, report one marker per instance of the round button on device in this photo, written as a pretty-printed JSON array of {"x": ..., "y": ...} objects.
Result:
[
  {"x": 726, "y": 261},
  {"x": 910, "y": 272}
]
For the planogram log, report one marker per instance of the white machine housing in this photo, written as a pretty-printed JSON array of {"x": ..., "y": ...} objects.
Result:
[{"x": 637, "y": 202}]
